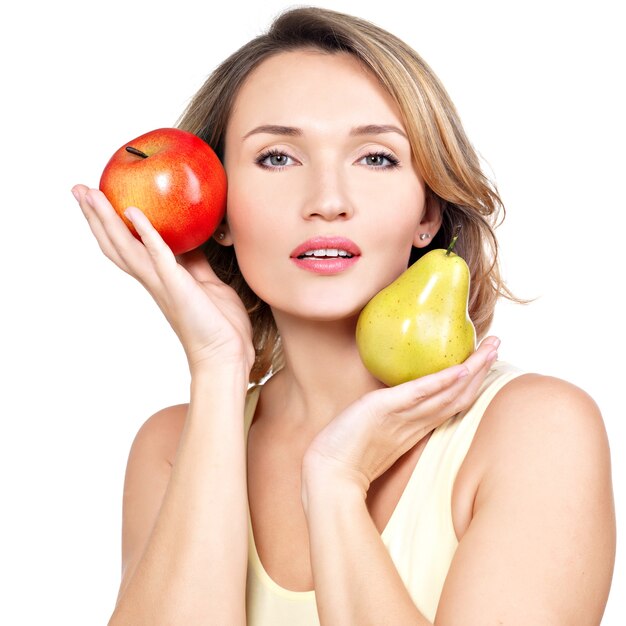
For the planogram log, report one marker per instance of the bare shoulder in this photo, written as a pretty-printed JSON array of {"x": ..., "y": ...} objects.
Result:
[
  {"x": 539, "y": 476},
  {"x": 547, "y": 457},
  {"x": 540, "y": 426},
  {"x": 147, "y": 475},
  {"x": 159, "y": 435},
  {"x": 546, "y": 428},
  {"x": 534, "y": 411},
  {"x": 538, "y": 394}
]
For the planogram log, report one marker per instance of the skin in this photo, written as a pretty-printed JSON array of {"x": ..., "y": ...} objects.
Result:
[{"x": 327, "y": 461}]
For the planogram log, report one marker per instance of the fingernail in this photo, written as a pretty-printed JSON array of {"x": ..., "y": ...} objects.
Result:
[
  {"x": 496, "y": 343},
  {"x": 492, "y": 356},
  {"x": 131, "y": 214},
  {"x": 76, "y": 195}
]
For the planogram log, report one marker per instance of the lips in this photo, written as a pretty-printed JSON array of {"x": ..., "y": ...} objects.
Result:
[
  {"x": 333, "y": 246},
  {"x": 326, "y": 255}
]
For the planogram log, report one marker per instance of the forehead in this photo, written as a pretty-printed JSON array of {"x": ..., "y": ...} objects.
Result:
[{"x": 299, "y": 87}]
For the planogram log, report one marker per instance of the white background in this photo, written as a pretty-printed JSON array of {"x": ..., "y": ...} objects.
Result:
[{"x": 87, "y": 356}]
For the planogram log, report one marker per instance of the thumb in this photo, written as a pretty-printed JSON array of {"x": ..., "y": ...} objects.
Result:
[{"x": 413, "y": 392}]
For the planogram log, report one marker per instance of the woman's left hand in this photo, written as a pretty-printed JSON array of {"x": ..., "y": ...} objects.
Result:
[{"x": 371, "y": 434}]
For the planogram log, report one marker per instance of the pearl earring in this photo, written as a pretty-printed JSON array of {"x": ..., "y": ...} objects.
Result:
[
  {"x": 221, "y": 236},
  {"x": 424, "y": 236}
]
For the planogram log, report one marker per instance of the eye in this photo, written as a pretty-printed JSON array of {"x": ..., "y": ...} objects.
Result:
[
  {"x": 380, "y": 160},
  {"x": 273, "y": 159}
]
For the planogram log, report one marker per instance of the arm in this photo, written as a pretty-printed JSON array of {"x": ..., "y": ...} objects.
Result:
[
  {"x": 355, "y": 579},
  {"x": 544, "y": 507},
  {"x": 185, "y": 527},
  {"x": 356, "y": 582},
  {"x": 539, "y": 549}
]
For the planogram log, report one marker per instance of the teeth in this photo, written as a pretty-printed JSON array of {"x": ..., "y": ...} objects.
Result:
[{"x": 330, "y": 252}]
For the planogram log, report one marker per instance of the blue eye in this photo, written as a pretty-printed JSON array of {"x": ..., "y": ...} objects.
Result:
[
  {"x": 381, "y": 160},
  {"x": 273, "y": 160},
  {"x": 277, "y": 160}
]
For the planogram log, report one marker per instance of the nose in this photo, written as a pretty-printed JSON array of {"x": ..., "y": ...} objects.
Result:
[{"x": 328, "y": 196}]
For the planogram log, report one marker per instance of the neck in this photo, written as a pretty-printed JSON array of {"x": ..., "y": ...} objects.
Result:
[{"x": 323, "y": 371}]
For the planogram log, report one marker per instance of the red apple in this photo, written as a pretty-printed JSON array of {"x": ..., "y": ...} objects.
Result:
[{"x": 176, "y": 179}]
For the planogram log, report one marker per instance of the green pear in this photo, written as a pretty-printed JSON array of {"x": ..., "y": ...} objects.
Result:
[{"x": 419, "y": 324}]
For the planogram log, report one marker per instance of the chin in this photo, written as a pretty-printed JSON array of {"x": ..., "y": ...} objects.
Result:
[
  {"x": 321, "y": 311},
  {"x": 321, "y": 301}
]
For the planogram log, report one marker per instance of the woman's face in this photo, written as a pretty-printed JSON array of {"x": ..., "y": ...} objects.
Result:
[{"x": 323, "y": 200}]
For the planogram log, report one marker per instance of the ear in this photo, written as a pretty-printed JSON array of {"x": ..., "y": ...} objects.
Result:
[
  {"x": 431, "y": 220},
  {"x": 222, "y": 234}
]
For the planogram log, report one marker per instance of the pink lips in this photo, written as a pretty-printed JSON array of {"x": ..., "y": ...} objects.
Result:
[{"x": 332, "y": 264}]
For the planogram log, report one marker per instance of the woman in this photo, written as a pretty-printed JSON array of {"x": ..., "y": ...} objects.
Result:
[{"x": 476, "y": 495}]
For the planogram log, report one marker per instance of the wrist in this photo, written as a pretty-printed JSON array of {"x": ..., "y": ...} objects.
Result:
[
  {"x": 233, "y": 355},
  {"x": 229, "y": 380},
  {"x": 219, "y": 369},
  {"x": 327, "y": 486}
]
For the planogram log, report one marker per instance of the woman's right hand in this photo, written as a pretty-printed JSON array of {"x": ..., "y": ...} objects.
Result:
[{"x": 207, "y": 315}]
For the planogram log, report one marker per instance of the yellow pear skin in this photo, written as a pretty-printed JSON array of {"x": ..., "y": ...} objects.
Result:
[{"x": 419, "y": 324}]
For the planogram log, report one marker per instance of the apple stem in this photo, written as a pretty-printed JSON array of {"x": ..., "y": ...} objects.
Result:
[
  {"x": 136, "y": 152},
  {"x": 455, "y": 236}
]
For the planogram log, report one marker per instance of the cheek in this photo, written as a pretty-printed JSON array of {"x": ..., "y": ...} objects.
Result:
[
  {"x": 394, "y": 236},
  {"x": 254, "y": 198},
  {"x": 244, "y": 212},
  {"x": 253, "y": 232},
  {"x": 401, "y": 211}
]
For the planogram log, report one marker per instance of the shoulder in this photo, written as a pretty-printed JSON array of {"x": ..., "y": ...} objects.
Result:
[
  {"x": 147, "y": 475},
  {"x": 543, "y": 410},
  {"x": 538, "y": 428},
  {"x": 159, "y": 435},
  {"x": 546, "y": 434},
  {"x": 538, "y": 392},
  {"x": 542, "y": 503}
]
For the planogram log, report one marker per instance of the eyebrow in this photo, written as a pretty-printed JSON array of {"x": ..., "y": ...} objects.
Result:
[{"x": 292, "y": 131}]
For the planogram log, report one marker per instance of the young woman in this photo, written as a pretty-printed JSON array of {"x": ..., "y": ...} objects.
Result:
[{"x": 477, "y": 495}]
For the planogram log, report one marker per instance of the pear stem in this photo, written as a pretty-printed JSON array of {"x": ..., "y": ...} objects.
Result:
[
  {"x": 136, "y": 152},
  {"x": 457, "y": 230}
]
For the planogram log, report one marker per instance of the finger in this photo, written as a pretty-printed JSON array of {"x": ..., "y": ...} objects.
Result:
[
  {"x": 492, "y": 342},
  {"x": 78, "y": 191},
  {"x": 478, "y": 365},
  {"x": 469, "y": 393},
  {"x": 477, "y": 359},
  {"x": 96, "y": 227},
  {"x": 161, "y": 254},
  {"x": 118, "y": 231},
  {"x": 130, "y": 249},
  {"x": 463, "y": 392},
  {"x": 432, "y": 384},
  {"x": 408, "y": 395},
  {"x": 450, "y": 389}
]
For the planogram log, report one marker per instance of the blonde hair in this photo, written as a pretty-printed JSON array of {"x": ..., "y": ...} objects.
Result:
[{"x": 442, "y": 152}]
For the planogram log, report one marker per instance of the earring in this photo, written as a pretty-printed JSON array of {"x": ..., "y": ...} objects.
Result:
[
  {"x": 424, "y": 236},
  {"x": 221, "y": 236}
]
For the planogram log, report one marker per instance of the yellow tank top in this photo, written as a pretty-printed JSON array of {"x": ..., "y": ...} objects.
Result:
[{"x": 420, "y": 534}]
